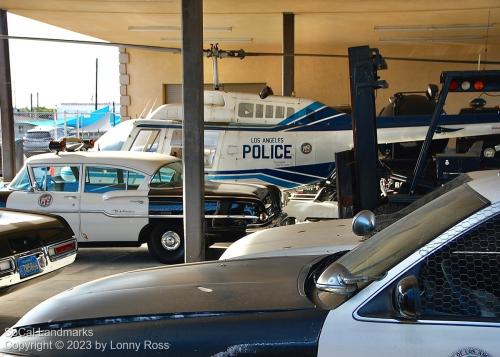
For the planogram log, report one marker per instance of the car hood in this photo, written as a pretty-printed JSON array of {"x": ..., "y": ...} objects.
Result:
[
  {"x": 325, "y": 237},
  {"x": 244, "y": 285},
  {"x": 22, "y": 231},
  {"x": 224, "y": 189}
]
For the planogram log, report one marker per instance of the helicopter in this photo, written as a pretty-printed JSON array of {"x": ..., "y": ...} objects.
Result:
[{"x": 285, "y": 141}]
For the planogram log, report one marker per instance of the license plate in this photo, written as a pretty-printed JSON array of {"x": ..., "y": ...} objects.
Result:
[{"x": 28, "y": 266}]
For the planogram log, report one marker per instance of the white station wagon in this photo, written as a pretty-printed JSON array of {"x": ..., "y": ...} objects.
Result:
[{"x": 127, "y": 198}]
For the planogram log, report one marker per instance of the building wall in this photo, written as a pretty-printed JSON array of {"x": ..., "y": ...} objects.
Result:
[{"x": 322, "y": 79}]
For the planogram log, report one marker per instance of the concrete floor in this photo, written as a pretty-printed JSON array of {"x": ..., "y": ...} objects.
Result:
[{"x": 90, "y": 264}]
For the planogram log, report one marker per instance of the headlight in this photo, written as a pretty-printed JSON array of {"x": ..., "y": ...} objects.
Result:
[{"x": 263, "y": 216}]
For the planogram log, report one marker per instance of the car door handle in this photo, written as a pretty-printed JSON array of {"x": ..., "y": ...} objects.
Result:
[
  {"x": 71, "y": 197},
  {"x": 137, "y": 201}
]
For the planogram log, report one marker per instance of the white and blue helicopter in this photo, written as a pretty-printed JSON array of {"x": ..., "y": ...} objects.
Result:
[{"x": 285, "y": 141}]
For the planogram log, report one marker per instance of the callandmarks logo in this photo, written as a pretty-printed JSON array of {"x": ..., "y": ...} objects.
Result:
[
  {"x": 45, "y": 200},
  {"x": 471, "y": 352}
]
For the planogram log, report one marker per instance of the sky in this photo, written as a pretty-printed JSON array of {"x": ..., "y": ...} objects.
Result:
[{"x": 59, "y": 72}]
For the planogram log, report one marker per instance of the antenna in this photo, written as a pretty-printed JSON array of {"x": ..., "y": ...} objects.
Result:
[{"x": 143, "y": 110}]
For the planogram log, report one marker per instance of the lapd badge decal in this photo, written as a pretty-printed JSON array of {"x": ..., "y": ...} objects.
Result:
[
  {"x": 306, "y": 148},
  {"x": 45, "y": 200},
  {"x": 470, "y": 352}
]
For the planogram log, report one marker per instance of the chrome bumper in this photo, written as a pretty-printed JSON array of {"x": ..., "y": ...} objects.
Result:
[{"x": 46, "y": 265}]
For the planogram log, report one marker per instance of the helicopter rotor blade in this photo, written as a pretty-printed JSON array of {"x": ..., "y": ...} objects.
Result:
[
  {"x": 98, "y": 43},
  {"x": 237, "y": 53}
]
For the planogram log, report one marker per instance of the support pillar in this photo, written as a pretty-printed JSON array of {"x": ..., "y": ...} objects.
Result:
[
  {"x": 288, "y": 50},
  {"x": 192, "y": 134},
  {"x": 6, "y": 112}
]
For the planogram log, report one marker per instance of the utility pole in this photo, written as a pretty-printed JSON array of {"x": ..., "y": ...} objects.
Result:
[
  {"x": 96, "y": 71},
  {"x": 37, "y": 101},
  {"x": 31, "y": 102}
]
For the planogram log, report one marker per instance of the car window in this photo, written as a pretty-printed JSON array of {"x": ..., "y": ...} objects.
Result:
[
  {"x": 243, "y": 209},
  {"x": 462, "y": 280},
  {"x": 21, "y": 182},
  {"x": 168, "y": 176},
  {"x": 105, "y": 179},
  {"x": 146, "y": 140},
  {"x": 56, "y": 178}
]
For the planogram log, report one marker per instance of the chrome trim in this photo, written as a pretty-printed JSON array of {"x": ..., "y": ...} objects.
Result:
[
  {"x": 164, "y": 215},
  {"x": 407, "y": 264}
]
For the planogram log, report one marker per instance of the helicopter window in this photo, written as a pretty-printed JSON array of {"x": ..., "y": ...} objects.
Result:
[
  {"x": 280, "y": 112},
  {"x": 259, "y": 111},
  {"x": 269, "y": 111},
  {"x": 146, "y": 140},
  {"x": 289, "y": 112},
  {"x": 245, "y": 110},
  {"x": 211, "y": 141},
  {"x": 176, "y": 144}
]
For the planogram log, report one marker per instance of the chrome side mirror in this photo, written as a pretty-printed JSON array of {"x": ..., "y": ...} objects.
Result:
[
  {"x": 407, "y": 298},
  {"x": 363, "y": 223},
  {"x": 337, "y": 279}
]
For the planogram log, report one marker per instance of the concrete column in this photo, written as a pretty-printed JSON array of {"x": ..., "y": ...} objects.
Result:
[
  {"x": 192, "y": 137},
  {"x": 288, "y": 49},
  {"x": 6, "y": 112}
]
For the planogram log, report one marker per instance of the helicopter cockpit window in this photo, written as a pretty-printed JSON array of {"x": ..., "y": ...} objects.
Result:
[
  {"x": 289, "y": 112},
  {"x": 245, "y": 110},
  {"x": 280, "y": 112},
  {"x": 259, "y": 110},
  {"x": 146, "y": 140}
]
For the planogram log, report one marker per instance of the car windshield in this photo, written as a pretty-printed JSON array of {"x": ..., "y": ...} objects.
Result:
[
  {"x": 115, "y": 137},
  {"x": 384, "y": 250},
  {"x": 168, "y": 176}
]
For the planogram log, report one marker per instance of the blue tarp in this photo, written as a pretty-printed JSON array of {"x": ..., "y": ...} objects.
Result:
[{"x": 84, "y": 119}]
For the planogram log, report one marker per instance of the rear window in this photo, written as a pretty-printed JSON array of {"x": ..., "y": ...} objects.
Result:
[{"x": 38, "y": 135}]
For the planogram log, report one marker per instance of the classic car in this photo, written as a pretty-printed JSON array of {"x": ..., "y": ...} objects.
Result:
[
  {"x": 427, "y": 285},
  {"x": 127, "y": 198},
  {"x": 31, "y": 245}
]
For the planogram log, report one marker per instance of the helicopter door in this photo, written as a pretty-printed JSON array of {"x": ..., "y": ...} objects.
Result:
[{"x": 212, "y": 140}]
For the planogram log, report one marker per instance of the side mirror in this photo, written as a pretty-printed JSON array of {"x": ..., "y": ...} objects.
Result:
[
  {"x": 363, "y": 223},
  {"x": 432, "y": 92},
  {"x": 407, "y": 299},
  {"x": 336, "y": 279}
]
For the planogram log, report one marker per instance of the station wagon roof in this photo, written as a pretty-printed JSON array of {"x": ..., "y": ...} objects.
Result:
[{"x": 145, "y": 162}]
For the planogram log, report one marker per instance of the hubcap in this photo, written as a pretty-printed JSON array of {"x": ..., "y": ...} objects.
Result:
[{"x": 170, "y": 240}]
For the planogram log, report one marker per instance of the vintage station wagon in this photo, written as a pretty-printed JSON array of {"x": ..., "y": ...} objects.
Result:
[{"x": 124, "y": 198}]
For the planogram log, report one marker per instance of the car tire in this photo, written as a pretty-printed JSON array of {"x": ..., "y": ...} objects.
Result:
[{"x": 166, "y": 244}]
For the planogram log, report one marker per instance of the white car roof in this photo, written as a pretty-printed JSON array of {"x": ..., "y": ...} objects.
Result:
[{"x": 145, "y": 162}]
